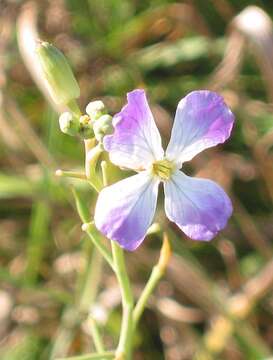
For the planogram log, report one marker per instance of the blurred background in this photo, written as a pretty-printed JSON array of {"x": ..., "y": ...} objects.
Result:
[{"x": 216, "y": 300}]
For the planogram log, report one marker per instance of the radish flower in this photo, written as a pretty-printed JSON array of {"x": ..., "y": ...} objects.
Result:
[{"x": 199, "y": 207}]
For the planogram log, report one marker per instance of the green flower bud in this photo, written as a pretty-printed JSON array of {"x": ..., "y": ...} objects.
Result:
[
  {"x": 69, "y": 124},
  {"x": 86, "y": 127},
  {"x": 103, "y": 126},
  {"x": 60, "y": 80},
  {"x": 95, "y": 109}
]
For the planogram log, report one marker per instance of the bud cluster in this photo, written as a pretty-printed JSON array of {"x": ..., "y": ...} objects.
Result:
[
  {"x": 95, "y": 123},
  {"x": 64, "y": 89}
]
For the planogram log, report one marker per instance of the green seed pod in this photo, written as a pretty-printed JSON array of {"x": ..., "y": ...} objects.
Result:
[
  {"x": 69, "y": 124},
  {"x": 95, "y": 109},
  {"x": 60, "y": 80},
  {"x": 103, "y": 126}
]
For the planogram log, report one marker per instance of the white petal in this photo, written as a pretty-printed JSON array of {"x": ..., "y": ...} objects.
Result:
[
  {"x": 202, "y": 120},
  {"x": 199, "y": 207},
  {"x": 125, "y": 210},
  {"x": 136, "y": 141}
]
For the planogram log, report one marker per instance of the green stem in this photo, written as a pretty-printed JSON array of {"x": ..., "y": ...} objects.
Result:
[
  {"x": 88, "y": 296},
  {"x": 91, "y": 231},
  {"x": 92, "y": 154},
  {"x": 91, "y": 281},
  {"x": 81, "y": 206},
  {"x": 125, "y": 341},
  {"x": 124, "y": 348},
  {"x": 105, "y": 355},
  {"x": 96, "y": 336},
  {"x": 156, "y": 274},
  {"x": 65, "y": 333},
  {"x": 93, "y": 275}
]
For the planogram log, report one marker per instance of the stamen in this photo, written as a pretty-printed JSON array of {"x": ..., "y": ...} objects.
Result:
[{"x": 163, "y": 169}]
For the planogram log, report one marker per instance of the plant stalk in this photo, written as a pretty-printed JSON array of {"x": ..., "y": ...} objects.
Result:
[{"x": 124, "y": 349}]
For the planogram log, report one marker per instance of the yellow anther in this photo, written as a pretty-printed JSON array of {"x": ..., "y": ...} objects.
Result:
[{"x": 163, "y": 169}]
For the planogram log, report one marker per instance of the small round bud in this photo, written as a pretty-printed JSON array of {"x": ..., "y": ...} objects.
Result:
[
  {"x": 85, "y": 120},
  {"x": 95, "y": 109},
  {"x": 59, "y": 77},
  {"x": 103, "y": 126},
  {"x": 69, "y": 124},
  {"x": 86, "y": 127}
]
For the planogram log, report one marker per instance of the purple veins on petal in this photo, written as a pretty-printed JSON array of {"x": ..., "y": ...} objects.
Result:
[
  {"x": 199, "y": 207},
  {"x": 125, "y": 210},
  {"x": 202, "y": 120},
  {"x": 136, "y": 141}
]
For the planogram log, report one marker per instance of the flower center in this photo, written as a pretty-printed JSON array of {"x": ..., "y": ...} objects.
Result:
[{"x": 163, "y": 169}]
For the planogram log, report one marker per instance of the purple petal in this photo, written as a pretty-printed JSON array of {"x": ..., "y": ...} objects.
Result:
[
  {"x": 202, "y": 120},
  {"x": 125, "y": 210},
  {"x": 136, "y": 141},
  {"x": 199, "y": 207}
]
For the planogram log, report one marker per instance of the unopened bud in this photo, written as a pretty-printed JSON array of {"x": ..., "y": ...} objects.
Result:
[
  {"x": 60, "y": 80},
  {"x": 86, "y": 127},
  {"x": 85, "y": 120},
  {"x": 95, "y": 109},
  {"x": 69, "y": 124},
  {"x": 103, "y": 126}
]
